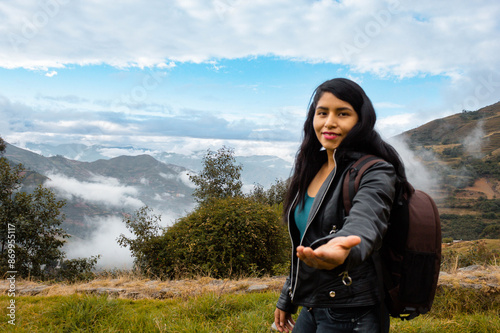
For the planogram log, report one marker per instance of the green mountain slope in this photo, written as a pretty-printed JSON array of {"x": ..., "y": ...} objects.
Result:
[
  {"x": 466, "y": 128},
  {"x": 464, "y": 151}
]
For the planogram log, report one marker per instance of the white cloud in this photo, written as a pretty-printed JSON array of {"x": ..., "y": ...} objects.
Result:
[
  {"x": 416, "y": 172},
  {"x": 184, "y": 177},
  {"x": 394, "y": 37},
  {"x": 162, "y": 197},
  {"x": 51, "y": 74},
  {"x": 387, "y": 105},
  {"x": 77, "y": 125},
  {"x": 473, "y": 142},
  {"x": 169, "y": 176},
  {"x": 393, "y": 125},
  {"x": 473, "y": 90},
  {"x": 158, "y": 143},
  {"x": 103, "y": 242},
  {"x": 102, "y": 190},
  {"x": 247, "y": 188},
  {"x": 396, "y": 124},
  {"x": 115, "y": 152}
]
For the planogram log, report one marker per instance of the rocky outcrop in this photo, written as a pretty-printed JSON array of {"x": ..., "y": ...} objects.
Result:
[{"x": 154, "y": 289}]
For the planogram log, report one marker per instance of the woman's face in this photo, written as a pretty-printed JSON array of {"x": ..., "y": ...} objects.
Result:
[{"x": 333, "y": 119}]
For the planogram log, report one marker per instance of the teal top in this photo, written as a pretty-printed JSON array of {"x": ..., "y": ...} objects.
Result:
[{"x": 301, "y": 215}]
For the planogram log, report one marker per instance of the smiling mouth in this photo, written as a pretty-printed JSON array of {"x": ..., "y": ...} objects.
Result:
[{"x": 330, "y": 136}]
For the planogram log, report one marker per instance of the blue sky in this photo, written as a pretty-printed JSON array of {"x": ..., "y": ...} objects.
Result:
[{"x": 194, "y": 74}]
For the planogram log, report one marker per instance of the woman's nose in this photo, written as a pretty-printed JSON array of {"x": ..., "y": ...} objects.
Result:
[{"x": 331, "y": 121}]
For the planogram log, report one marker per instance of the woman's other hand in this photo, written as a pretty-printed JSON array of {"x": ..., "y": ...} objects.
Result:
[{"x": 283, "y": 321}]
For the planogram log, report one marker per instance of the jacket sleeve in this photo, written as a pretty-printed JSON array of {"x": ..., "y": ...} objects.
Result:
[
  {"x": 284, "y": 301},
  {"x": 369, "y": 215}
]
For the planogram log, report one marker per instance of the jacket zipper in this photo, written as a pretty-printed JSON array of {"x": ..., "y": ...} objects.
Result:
[
  {"x": 292, "y": 290},
  {"x": 291, "y": 240}
]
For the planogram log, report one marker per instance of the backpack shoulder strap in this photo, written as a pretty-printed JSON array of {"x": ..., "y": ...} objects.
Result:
[{"x": 353, "y": 178}]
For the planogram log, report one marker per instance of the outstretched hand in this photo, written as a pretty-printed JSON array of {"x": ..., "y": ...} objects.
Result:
[{"x": 329, "y": 255}]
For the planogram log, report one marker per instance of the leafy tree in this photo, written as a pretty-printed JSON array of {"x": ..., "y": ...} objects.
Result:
[
  {"x": 38, "y": 233},
  {"x": 275, "y": 195},
  {"x": 258, "y": 194},
  {"x": 30, "y": 233},
  {"x": 145, "y": 226},
  {"x": 220, "y": 177},
  {"x": 277, "y": 192}
]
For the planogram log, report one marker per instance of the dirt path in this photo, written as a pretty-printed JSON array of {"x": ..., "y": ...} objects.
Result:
[{"x": 484, "y": 186}]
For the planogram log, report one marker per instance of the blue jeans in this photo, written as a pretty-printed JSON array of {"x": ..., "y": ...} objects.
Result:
[{"x": 323, "y": 320}]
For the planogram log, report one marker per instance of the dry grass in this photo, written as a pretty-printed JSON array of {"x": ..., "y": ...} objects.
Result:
[
  {"x": 141, "y": 288},
  {"x": 131, "y": 286},
  {"x": 489, "y": 276},
  {"x": 464, "y": 246}
]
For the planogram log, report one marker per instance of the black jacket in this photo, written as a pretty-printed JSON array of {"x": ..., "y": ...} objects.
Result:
[{"x": 310, "y": 287}]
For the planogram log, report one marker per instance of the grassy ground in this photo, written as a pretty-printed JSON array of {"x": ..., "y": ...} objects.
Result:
[
  {"x": 466, "y": 301},
  {"x": 454, "y": 311},
  {"x": 207, "y": 313}
]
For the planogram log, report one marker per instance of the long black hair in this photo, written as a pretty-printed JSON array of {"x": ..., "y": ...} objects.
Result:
[{"x": 361, "y": 138}]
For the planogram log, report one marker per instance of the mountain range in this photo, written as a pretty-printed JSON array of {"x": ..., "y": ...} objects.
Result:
[
  {"x": 261, "y": 169},
  {"x": 460, "y": 155},
  {"x": 119, "y": 185}
]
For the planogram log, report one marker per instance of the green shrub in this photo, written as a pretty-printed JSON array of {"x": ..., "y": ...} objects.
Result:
[
  {"x": 227, "y": 237},
  {"x": 477, "y": 254},
  {"x": 465, "y": 227},
  {"x": 454, "y": 151},
  {"x": 491, "y": 232},
  {"x": 488, "y": 205},
  {"x": 489, "y": 216},
  {"x": 447, "y": 240},
  {"x": 72, "y": 270}
]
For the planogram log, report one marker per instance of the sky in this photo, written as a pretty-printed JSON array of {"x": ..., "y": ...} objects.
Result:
[{"x": 186, "y": 75}]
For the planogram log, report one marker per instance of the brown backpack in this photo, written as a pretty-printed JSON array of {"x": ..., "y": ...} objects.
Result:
[{"x": 408, "y": 262}]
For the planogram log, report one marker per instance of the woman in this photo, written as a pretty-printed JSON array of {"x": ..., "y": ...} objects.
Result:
[{"x": 331, "y": 275}]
